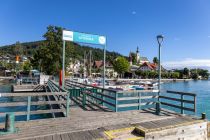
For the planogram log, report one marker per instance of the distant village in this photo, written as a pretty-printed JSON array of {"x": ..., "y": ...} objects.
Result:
[
  {"x": 139, "y": 64},
  {"x": 80, "y": 68},
  {"x": 139, "y": 67}
]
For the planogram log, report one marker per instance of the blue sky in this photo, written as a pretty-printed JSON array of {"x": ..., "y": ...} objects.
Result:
[{"x": 126, "y": 23}]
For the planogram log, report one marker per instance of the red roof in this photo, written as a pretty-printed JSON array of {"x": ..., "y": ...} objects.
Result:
[
  {"x": 98, "y": 64},
  {"x": 152, "y": 66}
]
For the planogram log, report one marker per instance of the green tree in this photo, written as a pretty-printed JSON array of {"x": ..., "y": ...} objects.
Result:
[
  {"x": 186, "y": 72},
  {"x": 26, "y": 66},
  {"x": 48, "y": 57},
  {"x": 153, "y": 74},
  {"x": 203, "y": 73},
  {"x": 134, "y": 59},
  {"x": 81, "y": 69},
  {"x": 18, "y": 49},
  {"x": 138, "y": 72},
  {"x": 121, "y": 65},
  {"x": 175, "y": 75},
  {"x": 195, "y": 76},
  {"x": 155, "y": 60}
]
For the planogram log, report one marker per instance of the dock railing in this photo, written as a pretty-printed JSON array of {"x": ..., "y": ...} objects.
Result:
[
  {"x": 97, "y": 96},
  {"x": 130, "y": 100},
  {"x": 183, "y": 101},
  {"x": 112, "y": 99},
  {"x": 29, "y": 102},
  {"x": 54, "y": 87},
  {"x": 137, "y": 99}
]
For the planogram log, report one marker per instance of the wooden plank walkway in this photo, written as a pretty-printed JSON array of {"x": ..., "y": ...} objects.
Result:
[{"x": 86, "y": 125}]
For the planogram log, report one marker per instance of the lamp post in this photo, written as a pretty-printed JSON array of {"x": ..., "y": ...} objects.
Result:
[{"x": 160, "y": 41}]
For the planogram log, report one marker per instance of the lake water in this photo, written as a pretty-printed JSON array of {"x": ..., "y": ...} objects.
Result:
[{"x": 201, "y": 88}]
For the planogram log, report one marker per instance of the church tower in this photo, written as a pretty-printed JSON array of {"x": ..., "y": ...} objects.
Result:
[
  {"x": 137, "y": 55},
  {"x": 130, "y": 59}
]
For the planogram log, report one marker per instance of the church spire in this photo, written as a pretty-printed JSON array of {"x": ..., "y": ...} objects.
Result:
[
  {"x": 137, "y": 50},
  {"x": 137, "y": 55}
]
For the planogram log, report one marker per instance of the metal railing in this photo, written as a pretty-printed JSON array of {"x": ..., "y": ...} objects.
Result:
[
  {"x": 112, "y": 99},
  {"x": 97, "y": 96},
  {"x": 139, "y": 99},
  {"x": 54, "y": 87},
  {"x": 179, "y": 100},
  {"x": 29, "y": 102},
  {"x": 131, "y": 100},
  {"x": 26, "y": 100}
]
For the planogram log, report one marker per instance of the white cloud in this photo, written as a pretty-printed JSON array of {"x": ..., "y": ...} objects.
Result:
[
  {"x": 133, "y": 12},
  {"x": 188, "y": 62}
]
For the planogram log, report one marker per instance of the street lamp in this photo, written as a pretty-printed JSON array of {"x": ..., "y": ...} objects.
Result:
[{"x": 160, "y": 41}]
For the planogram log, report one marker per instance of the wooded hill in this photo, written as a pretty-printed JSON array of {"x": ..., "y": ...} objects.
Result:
[{"x": 28, "y": 49}]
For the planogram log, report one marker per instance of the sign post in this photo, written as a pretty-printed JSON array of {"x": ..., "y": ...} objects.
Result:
[
  {"x": 84, "y": 38},
  {"x": 63, "y": 66}
]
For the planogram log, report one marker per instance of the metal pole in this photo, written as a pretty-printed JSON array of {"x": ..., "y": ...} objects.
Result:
[
  {"x": 159, "y": 80},
  {"x": 63, "y": 66},
  {"x": 159, "y": 71},
  {"x": 104, "y": 71},
  {"x": 84, "y": 66},
  {"x": 90, "y": 63}
]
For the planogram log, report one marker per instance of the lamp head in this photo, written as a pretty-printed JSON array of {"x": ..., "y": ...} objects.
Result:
[{"x": 160, "y": 39}]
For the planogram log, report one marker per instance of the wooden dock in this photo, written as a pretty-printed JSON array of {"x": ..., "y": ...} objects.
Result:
[
  {"x": 98, "y": 115},
  {"x": 27, "y": 88},
  {"x": 88, "y": 125}
]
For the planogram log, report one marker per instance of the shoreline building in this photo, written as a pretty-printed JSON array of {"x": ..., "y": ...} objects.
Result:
[{"x": 137, "y": 58}]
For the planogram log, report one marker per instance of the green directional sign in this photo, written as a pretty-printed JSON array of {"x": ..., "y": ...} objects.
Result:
[{"x": 84, "y": 38}]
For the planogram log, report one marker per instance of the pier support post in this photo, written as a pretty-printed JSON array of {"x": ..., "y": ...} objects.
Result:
[
  {"x": 203, "y": 116},
  {"x": 84, "y": 100},
  {"x": 63, "y": 65},
  {"x": 139, "y": 107},
  {"x": 9, "y": 124},
  {"x": 182, "y": 104},
  {"x": 67, "y": 104},
  {"x": 116, "y": 102},
  {"x": 28, "y": 108},
  {"x": 158, "y": 108}
]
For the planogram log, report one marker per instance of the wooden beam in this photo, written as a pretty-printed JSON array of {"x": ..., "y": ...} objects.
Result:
[
  {"x": 100, "y": 99},
  {"x": 181, "y": 93},
  {"x": 178, "y": 100},
  {"x": 36, "y": 112},
  {"x": 136, "y": 104},
  {"x": 91, "y": 92},
  {"x": 136, "y": 98},
  {"x": 176, "y": 106},
  {"x": 31, "y": 94}
]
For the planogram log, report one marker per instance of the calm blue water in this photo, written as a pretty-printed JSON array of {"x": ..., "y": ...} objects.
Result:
[{"x": 201, "y": 88}]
